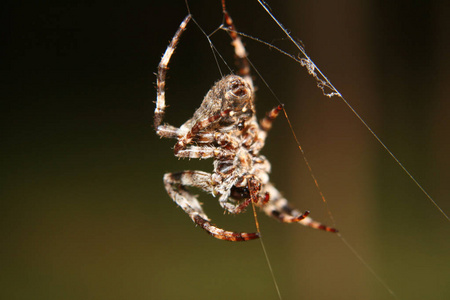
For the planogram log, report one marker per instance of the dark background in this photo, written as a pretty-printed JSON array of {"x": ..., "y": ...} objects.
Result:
[{"x": 83, "y": 211}]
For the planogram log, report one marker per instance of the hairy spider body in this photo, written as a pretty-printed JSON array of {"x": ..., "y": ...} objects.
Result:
[{"x": 225, "y": 129}]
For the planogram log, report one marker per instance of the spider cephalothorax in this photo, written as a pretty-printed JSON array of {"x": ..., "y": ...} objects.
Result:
[{"x": 225, "y": 129}]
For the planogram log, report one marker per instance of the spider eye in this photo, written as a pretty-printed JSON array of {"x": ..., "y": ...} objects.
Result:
[
  {"x": 238, "y": 89},
  {"x": 240, "y": 126}
]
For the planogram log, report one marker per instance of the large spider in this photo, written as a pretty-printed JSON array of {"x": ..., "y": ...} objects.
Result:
[{"x": 225, "y": 129}]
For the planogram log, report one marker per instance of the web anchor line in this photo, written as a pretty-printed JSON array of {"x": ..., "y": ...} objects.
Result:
[
  {"x": 328, "y": 90},
  {"x": 323, "y": 82}
]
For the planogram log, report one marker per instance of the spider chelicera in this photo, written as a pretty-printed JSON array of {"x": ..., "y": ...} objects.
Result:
[{"x": 225, "y": 129}]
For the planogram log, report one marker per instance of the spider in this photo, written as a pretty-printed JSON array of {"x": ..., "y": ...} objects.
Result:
[{"x": 225, "y": 129}]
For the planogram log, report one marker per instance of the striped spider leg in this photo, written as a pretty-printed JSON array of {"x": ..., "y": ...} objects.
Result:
[{"x": 225, "y": 129}]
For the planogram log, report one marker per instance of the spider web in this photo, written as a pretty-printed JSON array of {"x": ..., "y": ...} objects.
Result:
[{"x": 298, "y": 57}]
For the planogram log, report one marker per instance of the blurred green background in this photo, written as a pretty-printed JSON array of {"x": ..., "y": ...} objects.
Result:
[{"x": 83, "y": 211}]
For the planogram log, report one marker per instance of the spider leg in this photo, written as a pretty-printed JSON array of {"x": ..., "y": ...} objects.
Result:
[
  {"x": 266, "y": 123},
  {"x": 279, "y": 208},
  {"x": 169, "y": 131},
  {"x": 176, "y": 183},
  {"x": 222, "y": 139},
  {"x": 226, "y": 142},
  {"x": 196, "y": 128},
  {"x": 204, "y": 153},
  {"x": 239, "y": 48},
  {"x": 221, "y": 234},
  {"x": 162, "y": 70}
]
